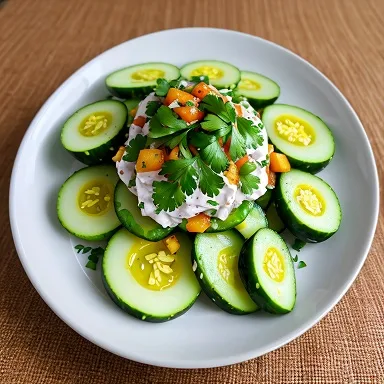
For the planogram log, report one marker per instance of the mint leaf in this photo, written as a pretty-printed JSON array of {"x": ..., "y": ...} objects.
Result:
[
  {"x": 134, "y": 147},
  {"x": 162, "y": 87},
  {"x": 167, "y": 196},
  {"x": 214, "y": 123},
  {"x": 249, "y": 183},
  {"x": 152, "y": 107},
  {"x": 237, "y": 148}
]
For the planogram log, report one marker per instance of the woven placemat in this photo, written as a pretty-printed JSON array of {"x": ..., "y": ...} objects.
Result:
[{"x": 43, "y": 42}]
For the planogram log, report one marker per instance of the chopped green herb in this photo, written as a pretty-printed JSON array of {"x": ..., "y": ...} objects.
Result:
[
  {"x": 212, "y": 202},
  {"x": 237, "y": 148},
  {"x": 134, "y": 147},
  {"x": 214, "y": 157},
  {"x": 265, "y": 162},
  {"x": 86, "y": 249},
  {"x": 295, "y": 258},
  {"x": 198, "y": 79},
  {"x": 79, "y": 247},
  {"x": 152, "y": 107},
  {"x": 214, "y": 104},
  {"x": 98, "y": 251},
  {"x": 132, "y": 183},
  {"x": 141, "y": 205},
  {"x": 165, "y": 123},
  {"x": 162, "y": 87},
  {"x": 298, "y": 244},
  {"x": 249, "y": 132},
  {"x": 301, "y": 264},
  {"x": 213, "y": 212},
  {"x": 94, "y": 258},
  {"x": 91, "y": 265},
  {"x": 249, "y": 183},
  {"x": 167, "y": 196},
  {"x": 190, "y": 103},
  {"x": 214, "y": 123},
  {"x": 143, "y": 165}
]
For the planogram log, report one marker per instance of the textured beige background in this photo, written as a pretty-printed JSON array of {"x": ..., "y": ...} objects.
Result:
[{"x": 43, "y": 42}]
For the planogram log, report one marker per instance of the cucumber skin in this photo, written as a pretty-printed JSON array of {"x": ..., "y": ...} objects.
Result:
[
  {"x": 265, "y": 200},
  {"x": 128, "y": 222},
  {"x": 256, "y": 103},
  {"x": 259, "y": 296},
  {"x": 136, "y": 313},
  {"x": 218, "y": 225},
  {"x": 298, "y": 229},
  {"x": 270, "y": 222},
  {"x": 210, "y": 291},
  {"x": 130, "y": 93}
]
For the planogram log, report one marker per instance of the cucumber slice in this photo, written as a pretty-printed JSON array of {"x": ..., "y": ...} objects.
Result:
[
  {"x": 98, "y": 221},
  {"x": 139, "y": 80},
  {"x": 89, "y": 143},
  {"x": 274, "y": 221},
  {"x": 308, "y": 206},
  {"x": 267, "y": 271},
  {"x": 129, "y": 214},
  {"x": 312, "y": 149},
  {"x": 259, "y": 90},
  {"x": 131, "y": 104},
  {"x": 126, "y": 275},
  {"x": 264, "y": 200},
  {"x": 237, "y": 216},
  {"x": 220, "y": 73},
  {"x": 215, "y": 259},
  {"x": 253, "y": 222}
]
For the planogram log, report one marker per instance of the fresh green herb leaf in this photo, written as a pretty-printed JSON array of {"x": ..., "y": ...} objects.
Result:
[
  {"x": 190, "y": 103},
  {"x": 184, "y": 150},
  {"x": 210, "y": 182},
  {"x": 165, "y": 123},
  {"x": 214, "y": 104},
  {"x": 167, "y": 196},
  {"x": 249, "y": 183},
  {"x": 213, "y": 212},
  {"x": 212, "y": 202},
  {"x": 298, "y": 244},
  {"x": 213, "y": 155},
  {"x": 94, "y": 258},
  {"x": 301, "y": 264},
  {"x": 295, "y": 259},
  {"x": 214, "y": 123},
  {"x": 141, "y": 205},
  {"x": 198, "y": 79},
  {"x": 223, "y": 132},
  {"x": 250, "y": 133},
  {"x": 201, "y": 139},
  {"x": 134, "y": 147},
  {"x": 79, "y": 248},
  {"x": 237, "y": 148},
  {"x": 152, "y": 108},
  {"x": 86, "y": 249},
  {"x": 177, "y": 139},
  {"x": 247, "y": 168},
  {"x": 91, "y": 265},
  {"x": 162, "y": 87},
  {"x": 183, "y": 172},
  {"x": 265, "y": 163},
  {"x": 98, "y": 251},
  {"x": 132, "y": 183}
]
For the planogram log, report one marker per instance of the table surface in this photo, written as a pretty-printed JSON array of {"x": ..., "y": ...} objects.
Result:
[{"x": 43, "y": 42}]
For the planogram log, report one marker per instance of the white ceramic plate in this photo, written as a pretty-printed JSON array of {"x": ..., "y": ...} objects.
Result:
[{"x": 205, "y": 336}]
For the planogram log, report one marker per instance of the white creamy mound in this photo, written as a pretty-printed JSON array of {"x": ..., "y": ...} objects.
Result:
[{"x": 229, "y": 198}]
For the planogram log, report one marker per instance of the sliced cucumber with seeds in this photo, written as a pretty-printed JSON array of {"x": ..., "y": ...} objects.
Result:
[
  {"x": 264, "y": 200},
  {"x": 129, "y": 214},
  {"x": 85, "y": 203},
  {"x": 259, "y": 90},
  {"x": 303, "y": 137},
  {"x": 144, "y": 280},
  {"x": 255, "y": 220},
  {"x": 139, "y": 80},
  {"x": 220, "y": 73},
  {"x": 93, "y": 133},
  {"x": 267, "y": 272},
  {"x": 131, "y": 105},
  {"x": 215, "y": 262},
  {"x": 234, "y": 218},
  {"x": 308, "y": 206},
  {"x": 274, "y": 221}
]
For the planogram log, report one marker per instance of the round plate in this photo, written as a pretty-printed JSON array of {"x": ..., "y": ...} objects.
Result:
[{"x": 205, "y": 336}]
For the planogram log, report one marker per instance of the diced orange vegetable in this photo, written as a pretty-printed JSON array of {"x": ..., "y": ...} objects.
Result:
[
  {"x": 179, "y": 95},
  {"x": 271, "y": 148},
  {"x": 172, "y": 244},
  {"x": 140, "y": 121},
  {"x": 239, "y": 163},
  {"x": 119, "y": 154},
  {"x": 199, "y": 223},
  {"x": 201, "y": 90},
  {"x": 150, "y": 160},
  {"x": 193, "y": 149},
  {"x": 189, "y": 114},
  {"x": 232, "y": 174},
  {"x": 239, "y": 110},
  {"x": 271, "y": 177},
  {"x": 279, "y": 162},
  {"x": 174, "y": 155},
  {"x": 133, "y": 112}
]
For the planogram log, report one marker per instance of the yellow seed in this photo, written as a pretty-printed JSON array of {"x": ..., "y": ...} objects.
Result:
[
  {"x": 90, "y": 192},
  {"x": 85, "y": 204},
  {"x": 166, "y": 259},
  {"x": 150, "y": 256},
  {"x": 157, "y": 275},
  {"x": 164, "y": 268},
  {"x": 107, "y": 198},
  {"x": 94, "y": 202},
  {"x": 151, "y": 280}
]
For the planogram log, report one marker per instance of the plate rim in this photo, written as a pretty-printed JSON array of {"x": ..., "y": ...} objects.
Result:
[{"x": 188, "y": 363}]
